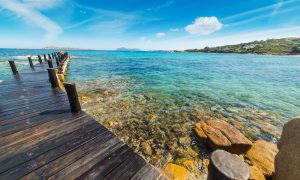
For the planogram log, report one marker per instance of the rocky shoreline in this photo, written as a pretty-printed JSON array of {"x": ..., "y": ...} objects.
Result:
[
  {"x": 233, "y": 156},
  {"x": 178, "y": 137}
]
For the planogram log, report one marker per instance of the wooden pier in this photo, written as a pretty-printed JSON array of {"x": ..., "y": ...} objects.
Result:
[{"x": 41, "y": 138}]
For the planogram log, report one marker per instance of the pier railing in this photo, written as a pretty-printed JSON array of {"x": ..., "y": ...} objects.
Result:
[{"x": 56, "y": 75}]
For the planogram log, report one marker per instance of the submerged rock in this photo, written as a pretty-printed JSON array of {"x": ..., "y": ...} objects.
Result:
[
  {"x": 287, "y": 162},
  {"x": 190, "y": 164},
  {"x": 177, "y": 172},
  {"x": 146, "y": 148},
  {"x": 221, "y": 135},
  {"x": 262, "y": 155},
  {"x": 225, "y": 165}
]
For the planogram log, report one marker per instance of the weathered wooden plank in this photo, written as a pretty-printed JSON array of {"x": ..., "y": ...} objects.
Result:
[
  {"x": 61, "y": 166},
  {"x": 127, "y": 169},
  {"x": 35, "y": 109},
  {"x": 107, "y": 164},
  {"x": 30, "y": 101},
  {"x": 41, "y": 138},
  {"x": 53, "y": 92},
  {"x": 146, "y": 172},
  {"x": 50, "y": 123},
  {"x": 22, "y": 94},
  {"x": 32, "y": 104},
  {"x": 31, "y": 167},
  {"x": 70, "y": 140},
  {"x": 15, "y": 87},
  {"x": 21, "y": 90},
  {"x": 57, "y": 131},
  {"x": 26, "y": 77},
  {"x": 32, "y": 119}
]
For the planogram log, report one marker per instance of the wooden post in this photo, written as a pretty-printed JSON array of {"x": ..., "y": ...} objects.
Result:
[
  {"x": 73, "y": 97},
  {"x": 50, "y": 64},
  {"x": 49, "y": 56},
  {"x": 13, "y": 67},
  {"x": 226, "y": 166},
  {"x": 57, "y": 62},
  {"x": 59, "y": 57},
  {"x": 45, "y": 58},
  {"x": 52, "y": 77},
  {"x": 40, "y": 58},
  {"x": 30, "y": 62},
  {"x": 55, "y": 55}
]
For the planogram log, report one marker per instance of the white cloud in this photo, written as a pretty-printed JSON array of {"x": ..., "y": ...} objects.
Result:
[
  {"x": 42, "y": 4},
  {"x": 143, "y": 38},
  {"x": 273, "y": 7},
  {"x": 109, "y": 20},
  {"x": 164, "y": 5},
  {"x": 189, "y": 42},
  {"x": 160, "y": 35},
  {"x": 174, "y": 29},
  {"x": 204, "y": 26},
  {"x": 27, "y": 11}
]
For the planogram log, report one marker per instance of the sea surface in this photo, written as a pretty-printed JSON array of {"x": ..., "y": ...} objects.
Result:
[{"x": 156, "y": 97}]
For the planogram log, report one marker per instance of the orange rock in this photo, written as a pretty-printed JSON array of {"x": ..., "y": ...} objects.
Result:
[
  {"x": 205, "y": 164},
  {"x": 233, "y": 135},
  {"x": 177, "y": 172},
  {"x": 256, "y": 174},
  {"x": 262, "y": 155},
  {"x": 221, "y": 135},
  {"x": 215, "y": 138},
  {"x": 199, "y": 130}
]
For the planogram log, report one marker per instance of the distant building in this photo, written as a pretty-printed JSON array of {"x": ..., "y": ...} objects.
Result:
[{"x": 249, "y": 46}]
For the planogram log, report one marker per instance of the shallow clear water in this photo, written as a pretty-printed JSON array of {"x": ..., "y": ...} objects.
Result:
[
  {"x": 156, "y": 97},
  {"x": 268, "y": 83}
]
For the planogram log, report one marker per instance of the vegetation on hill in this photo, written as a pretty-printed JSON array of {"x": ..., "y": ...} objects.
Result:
[{"x": 287, "y": 46}]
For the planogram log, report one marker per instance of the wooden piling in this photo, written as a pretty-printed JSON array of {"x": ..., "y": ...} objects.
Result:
[
  {"x": 49, "y": 56},
  {"x": 50, "y": 63},
  {"x": 40, "y": 58},
  {"x": 57, "y": 62},
  {"x": 13, "y": 67},
  {"x": 73, "y": 97},
  {"x": 226, "y": 166},
  {"x": 55, "y": 55},
  {"x": 30, "y": 62},
  {"x": 59, "y": 57},
  {"x": 45, "y": 58},
  {"x": 53, "y": 78}
]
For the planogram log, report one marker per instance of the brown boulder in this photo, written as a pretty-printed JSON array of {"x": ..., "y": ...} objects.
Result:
[
  {"x": 221, "y": 135},
  {"x": 287, "y": 162},
  {"x": 262, "y": 155}
]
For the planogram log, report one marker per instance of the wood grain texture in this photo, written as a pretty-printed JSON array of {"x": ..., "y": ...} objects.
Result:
[{"x": 40, "y": 138}]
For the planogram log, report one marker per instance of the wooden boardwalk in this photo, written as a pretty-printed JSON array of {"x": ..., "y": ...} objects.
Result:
[{"x": 41, "y": 139}]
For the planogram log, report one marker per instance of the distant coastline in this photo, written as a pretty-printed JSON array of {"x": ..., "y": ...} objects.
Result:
[
  {"x": 284, "y": 46},
  {"x": 63, "y": 48}
]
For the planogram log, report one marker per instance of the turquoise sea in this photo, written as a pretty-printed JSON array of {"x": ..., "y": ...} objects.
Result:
[{"x": 153, "y": 92}]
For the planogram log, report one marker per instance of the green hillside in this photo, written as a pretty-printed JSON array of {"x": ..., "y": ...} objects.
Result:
[{"x": 288, "y": 46}]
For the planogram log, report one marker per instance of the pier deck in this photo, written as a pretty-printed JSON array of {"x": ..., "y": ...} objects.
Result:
[{"x": 40, "y": 137}]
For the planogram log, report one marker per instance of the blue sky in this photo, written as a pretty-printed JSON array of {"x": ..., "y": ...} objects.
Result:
[{"x": 149, "y": 25}]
